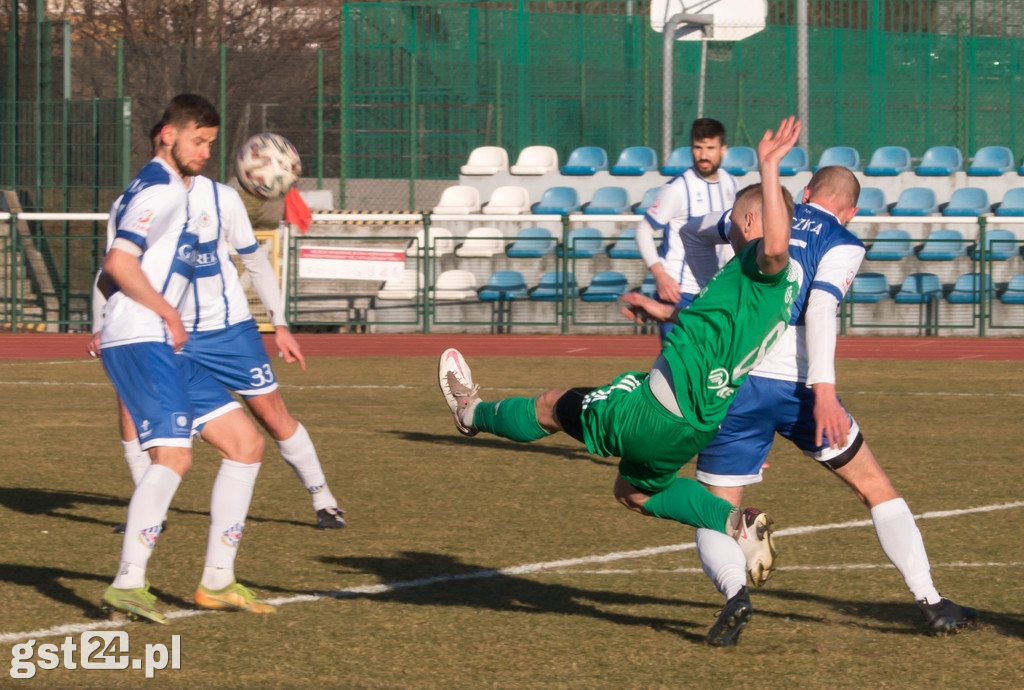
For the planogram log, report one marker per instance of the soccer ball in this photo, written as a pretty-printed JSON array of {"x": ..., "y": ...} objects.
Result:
[{"x": 267, "y": 166}]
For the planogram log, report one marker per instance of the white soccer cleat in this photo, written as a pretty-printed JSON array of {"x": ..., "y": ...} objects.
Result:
[
  {"x": 456, "y": 381},
  {"x": 752, "y": 530}
]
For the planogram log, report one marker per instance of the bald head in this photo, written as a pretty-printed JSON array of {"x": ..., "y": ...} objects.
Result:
[{"x": 835, "y": 189}]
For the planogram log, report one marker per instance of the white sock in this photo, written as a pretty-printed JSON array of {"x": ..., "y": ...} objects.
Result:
[
  {"x": 298, "y": 451},
  {"x": 229, "y": 505},
  {"x": 723, "y": 561},
  {"x": 901, "y": 541},
  {"x": 138, "y": 460},
  {"x": 149, "y": 504}
]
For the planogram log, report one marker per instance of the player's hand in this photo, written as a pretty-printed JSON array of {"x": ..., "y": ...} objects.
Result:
[
  {"x": 641, "y": 309},
  {"x": 774, "y": 146},
  {"x": 831, "y": 419},
  {"x": 93, "y": 348},
  {"x": 288, "y": 346},
  {"x": 179, "y": 336},
  {"x": 668, "y": 289}
]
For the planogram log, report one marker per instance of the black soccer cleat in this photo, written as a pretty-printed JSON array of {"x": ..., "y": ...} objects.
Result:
[
  {"x": 736, "y": 613},
  {"x": 947, "y": 617},
  {"x": 330, "y": 518}
]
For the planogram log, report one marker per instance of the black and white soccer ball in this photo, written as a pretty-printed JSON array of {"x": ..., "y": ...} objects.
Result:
[{"x": 267, "y": 166}]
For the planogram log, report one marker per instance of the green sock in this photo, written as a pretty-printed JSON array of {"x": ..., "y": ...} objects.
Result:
[
  {"x": 511, "y": 418},
  {"x": 688, "y": 502}
]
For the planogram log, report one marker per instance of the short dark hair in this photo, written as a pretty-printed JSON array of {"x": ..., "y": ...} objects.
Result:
[
  {"x": 706, "y": 128},
  {"x": 189, "y": 108}
]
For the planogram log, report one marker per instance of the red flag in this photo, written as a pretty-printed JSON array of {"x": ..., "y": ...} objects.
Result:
[{"x": 295, "y": 210}]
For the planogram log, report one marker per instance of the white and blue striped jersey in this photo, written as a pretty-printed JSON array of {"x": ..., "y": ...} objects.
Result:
[
  {"x": 681, "y": 206},
  {"x": 153, "y": 214}
]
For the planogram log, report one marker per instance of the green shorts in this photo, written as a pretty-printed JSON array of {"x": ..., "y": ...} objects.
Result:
[{"x": 625, "y": 420}]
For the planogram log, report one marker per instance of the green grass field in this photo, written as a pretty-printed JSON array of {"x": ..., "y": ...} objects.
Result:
[{"x": 474, "y": 563}]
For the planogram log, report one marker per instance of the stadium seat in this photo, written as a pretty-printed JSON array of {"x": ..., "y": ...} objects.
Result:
[
  {"x": 459, "y": 199},
  {"x": 648, "y": 199},
  {"x": 1014, "y": 293},
  {"x": 845, "y": 156},
  {"x": 605, "y": 286},
  {"x": 915, "y": 201},
  {"x": 608, "y": 201},
  {"x": 635, "y": 160},
  {"x": 486, "y": 160},
  {"x": 1012, "y": 203},
  {"x": 679, "y": 160},
  {"x": 739, "y": 160},
  {"x": 888, "y": 161},
  {"x": 405, "y": 288},
  {"x": 504, "y": 285},
  {"x": 890, "y": 244},
  {"x": 586, "y": 160},
  {"x": 440, "y": 240},
  {"x": 1000, "y": 245},
  {"x": 794, "y": 162},
  {"x": 943, "y": 245},
  {"x": 970, "y": 289},
  {"x": 871, "y": 202},
  {"x": 536, "y": 160},
  {"x": 585, "y": 243},
  {"x": 625, "y": 246},
  {"x": 967, "y": 201},
  {"x": 560, "y": 200},
  {"x": 940, "y": 161},
  {"x": 991, "y": 161},
  {"x": 531, "y": 243},
  {"x": 549, "y": 289},
  {"x": 482, "y": 242},
  {"x": 918, "y": 288},
  {"x": 649, "y": 288},
  {"x": 509, "y": 199},
  {"x": 868, "y": 288},
  {"x": 455, "y": 284}
]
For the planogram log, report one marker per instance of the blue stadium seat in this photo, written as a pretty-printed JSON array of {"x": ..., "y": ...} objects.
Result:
[
  {"x": 795, "y": 161},
  {"x": 1000, "y": 245},
  {"x": 918, "y": 288},
  {"x": 739, "y": 160},
  {"x": 868, "y": 288},
  {"x": 943, "y": 245},
  {"x": 991, "y": 161},
  {"x": 969, "y": 289},
  {"x": 585, "y": 242},
  {"x": 888, "y": 161},
  {"x": 845, "y": 156},
  {"x": 1012, "y": 203},
  {"x": 940, "y": 161},
  {"x": 504, "y": 285},
  {"x": 890, "y": 244},
  {"x": 560, "y": 200},
  {"x": 605, "y": 286},
  {"x": 649, "y": 288},
  {"x": 531, "y": 243},
  {"x": 1014, "y": 293},
  {"x": 635, "y": 160},
  {"x": 967, "y": 201},
  {"x": 549, "y": 289},
  {"x": 625, "y": 246},
  {"x": 679, "y": 160},
  {"x": 586, "y": 160},
  {"x": 871, "y": 202},
  {"x": 608, "y": 201},
  {"x": 647, "y": 201},
  {"x": 915, "y": 201}
]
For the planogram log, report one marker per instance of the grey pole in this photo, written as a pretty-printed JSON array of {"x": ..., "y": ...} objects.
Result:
[
  {"x": 802, "y": 108},
  {"x": 671, "y": 25}
]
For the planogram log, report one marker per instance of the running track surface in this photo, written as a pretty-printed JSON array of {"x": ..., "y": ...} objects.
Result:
[{"x": 65, "y": 346}]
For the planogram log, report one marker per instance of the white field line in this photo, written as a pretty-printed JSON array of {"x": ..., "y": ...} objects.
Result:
[{"x": 558, "y": 566}]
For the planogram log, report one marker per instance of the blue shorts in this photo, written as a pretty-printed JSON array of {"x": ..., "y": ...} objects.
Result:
[
  {"x": 235, "y": 356},
  {"x": 762, "y": 407},
  {"x": 167, "y": 396}
]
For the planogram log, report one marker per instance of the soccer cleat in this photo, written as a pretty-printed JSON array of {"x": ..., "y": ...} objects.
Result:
[
  {"x": 330, "y": 518},
  {"x": 234, "y": 597},
  {"x": 736, "y": 613},
  {"x": 947, "y": 617},
  {"x": 138, "y": 603},
  {"x": 459, "y": 391},
  {"x": 752, "y": 529}
]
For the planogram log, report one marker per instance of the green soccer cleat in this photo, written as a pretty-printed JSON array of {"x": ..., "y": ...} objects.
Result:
[
  {"x": 234, "y": 597},
  {"x": 138, "y": 603}
]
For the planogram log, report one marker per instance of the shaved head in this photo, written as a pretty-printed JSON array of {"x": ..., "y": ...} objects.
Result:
[{"x": 834, "y": 188}]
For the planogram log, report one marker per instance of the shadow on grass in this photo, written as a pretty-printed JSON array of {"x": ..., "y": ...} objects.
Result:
[{"x": 493, "y": 443}]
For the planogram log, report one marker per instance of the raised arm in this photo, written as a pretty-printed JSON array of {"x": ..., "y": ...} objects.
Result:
[{"x": 773, "y": 252}]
